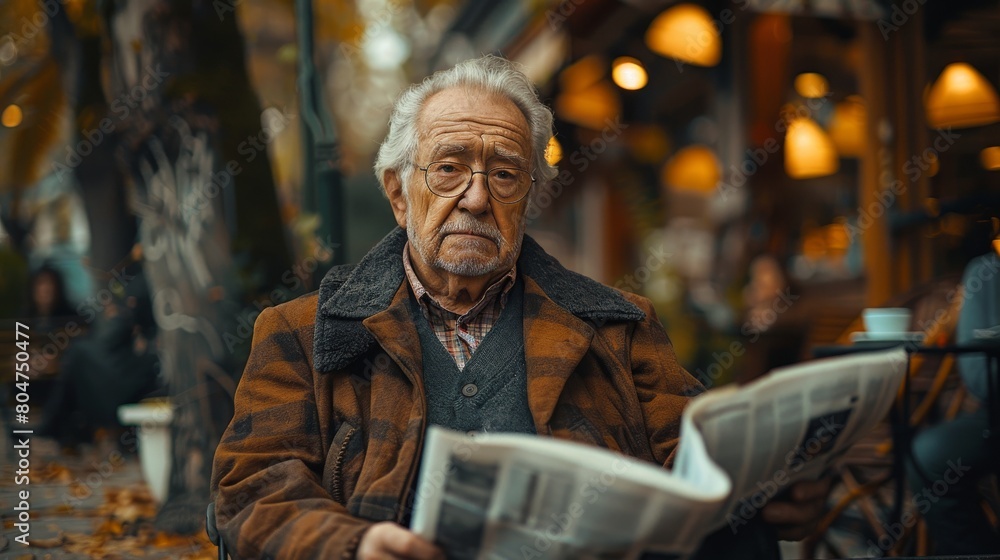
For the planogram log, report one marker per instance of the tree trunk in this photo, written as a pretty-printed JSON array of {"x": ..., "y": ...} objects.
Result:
[
  {"x": 101, "y": 184},
  {"x": 209, "y": 226}
]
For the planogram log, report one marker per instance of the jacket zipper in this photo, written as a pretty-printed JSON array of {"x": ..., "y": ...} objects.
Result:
[{"x": 337, "y": 490}]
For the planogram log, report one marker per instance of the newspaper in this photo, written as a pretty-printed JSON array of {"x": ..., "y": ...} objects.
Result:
[{"x": 502, "y": 496}]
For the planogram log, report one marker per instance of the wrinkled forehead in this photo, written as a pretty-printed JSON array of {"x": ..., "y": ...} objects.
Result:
[{"x": 472, "y": 121}]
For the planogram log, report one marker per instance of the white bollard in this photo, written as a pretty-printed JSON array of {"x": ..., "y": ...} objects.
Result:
[{"x": 153, "y": 419}]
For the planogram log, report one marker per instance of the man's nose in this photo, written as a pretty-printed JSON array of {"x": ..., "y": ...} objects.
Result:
[{"x": 476, "y": 198}]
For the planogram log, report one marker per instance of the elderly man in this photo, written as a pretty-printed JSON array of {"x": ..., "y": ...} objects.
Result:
[{"x": 455, "y": 318}]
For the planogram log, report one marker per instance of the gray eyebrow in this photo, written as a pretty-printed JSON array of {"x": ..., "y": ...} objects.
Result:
[
  {"x": 507, "y": 154},
  {"x": 442, "y": 150}
]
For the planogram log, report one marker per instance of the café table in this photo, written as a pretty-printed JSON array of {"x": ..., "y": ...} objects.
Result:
[{"x": 901, "y": 430}]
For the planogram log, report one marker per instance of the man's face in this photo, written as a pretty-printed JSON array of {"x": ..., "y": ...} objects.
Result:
[{"x": 472, "y": 234}]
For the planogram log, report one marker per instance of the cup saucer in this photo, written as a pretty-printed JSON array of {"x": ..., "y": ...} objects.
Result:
[{"x": 862, "y": 336}]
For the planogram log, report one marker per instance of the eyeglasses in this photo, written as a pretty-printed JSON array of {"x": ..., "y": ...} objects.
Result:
[{"x": 448, "y": 179}]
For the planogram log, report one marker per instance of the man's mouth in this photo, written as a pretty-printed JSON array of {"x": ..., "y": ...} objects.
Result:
[{"x": 470, "y": 234}]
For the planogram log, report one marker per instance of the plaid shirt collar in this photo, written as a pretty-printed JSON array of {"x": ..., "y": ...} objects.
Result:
[{"x": 431, "y": 306}]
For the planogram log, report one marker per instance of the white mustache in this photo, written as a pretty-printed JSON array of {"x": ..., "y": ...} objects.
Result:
[{"x": 474, "y": 227}]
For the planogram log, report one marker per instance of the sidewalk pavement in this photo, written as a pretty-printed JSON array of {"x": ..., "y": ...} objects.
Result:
[{"x": 90, "y": 505}]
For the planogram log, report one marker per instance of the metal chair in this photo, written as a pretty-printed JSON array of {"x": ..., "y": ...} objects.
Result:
[{"x": 213, "y": 532}]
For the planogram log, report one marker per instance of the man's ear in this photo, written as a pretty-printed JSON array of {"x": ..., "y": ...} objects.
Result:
[{"x": 394, "y": 190}]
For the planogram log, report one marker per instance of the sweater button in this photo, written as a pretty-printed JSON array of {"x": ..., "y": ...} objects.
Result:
[{"x": 470, "y": 390}]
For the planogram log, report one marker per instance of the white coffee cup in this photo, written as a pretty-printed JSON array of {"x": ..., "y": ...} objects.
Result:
[{"x": 886, "y": 320}]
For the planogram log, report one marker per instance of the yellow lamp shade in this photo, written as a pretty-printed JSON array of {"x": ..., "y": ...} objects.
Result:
[
  {"x": 629, "y": 73},
  {"x": 592, "y": 107},
  {"x": 990, "y": 158},
  {"x": 583, "y": 73},
  {"x": 847, "y": 127},
  {"x": 693, "y": 169},
  {"x": 686, "y": 33},
  {"x": 962, "y": 97},
  {"x": 811, "y": 85},
  {"x": 809, "y": 151}
]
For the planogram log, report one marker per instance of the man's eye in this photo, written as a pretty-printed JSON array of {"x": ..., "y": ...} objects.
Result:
[
  {"x": 507, "y": 174},
  {"x": 447, "y": 168}
]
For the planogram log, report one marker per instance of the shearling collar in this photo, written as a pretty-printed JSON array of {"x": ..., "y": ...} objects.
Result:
[{"x": 350, "y": 293}]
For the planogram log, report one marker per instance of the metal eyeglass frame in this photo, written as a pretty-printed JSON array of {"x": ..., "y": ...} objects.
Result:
[{"x": 486, "y": 176}]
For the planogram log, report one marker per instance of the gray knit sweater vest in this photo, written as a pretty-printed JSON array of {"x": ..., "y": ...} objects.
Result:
[{"x": 491, "y": 393}]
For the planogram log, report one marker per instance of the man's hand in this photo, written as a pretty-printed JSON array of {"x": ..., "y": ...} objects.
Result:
[
  {"x": 387, "y": 540},
  {"x": 795, "y": 513}
]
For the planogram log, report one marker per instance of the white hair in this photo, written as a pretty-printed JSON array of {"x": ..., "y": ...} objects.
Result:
[{"x": 490, "y": 73}]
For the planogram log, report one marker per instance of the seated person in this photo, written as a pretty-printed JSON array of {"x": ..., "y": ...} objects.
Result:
[
  {"x": 455, "y": 318},
  {"x": 49, "y": 313},
  {"x": 958, "y": 453},
  {"x": 114, "y": 363}
]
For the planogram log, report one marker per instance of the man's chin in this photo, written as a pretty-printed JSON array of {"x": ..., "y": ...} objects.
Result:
[{"x": 472, "y": 266}]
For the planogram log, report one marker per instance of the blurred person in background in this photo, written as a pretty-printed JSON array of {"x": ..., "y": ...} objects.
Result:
[
  {"x": 961, "y": 452},
  {"x": 54, "y": 325},
  {"x": 49, "y": 314},
  {"x": 114, "y": 363},
  {"x": 48, "y": 304},
  {"x": 773, "y": 326}
]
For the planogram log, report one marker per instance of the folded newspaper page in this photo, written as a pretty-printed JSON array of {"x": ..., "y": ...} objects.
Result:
[{"x": 505, "y": 496}]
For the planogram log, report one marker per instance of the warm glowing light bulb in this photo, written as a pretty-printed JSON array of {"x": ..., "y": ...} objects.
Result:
[
  {"x": 12, "y": 116},
  {"x": 990, "y": 158},
  {"x": 628, "y": 73},
  {"x": 809, "y": 151},
  {"x": 553, "y": 151},
  {"x": 811, "y": 85}
]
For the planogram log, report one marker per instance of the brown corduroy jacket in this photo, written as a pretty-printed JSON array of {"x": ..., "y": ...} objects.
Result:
[{"x": 331, "y": 413}]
